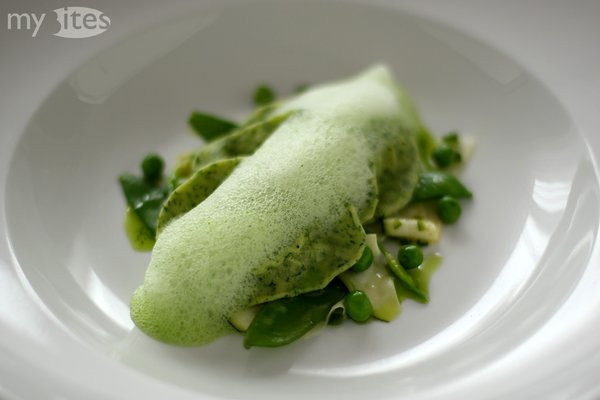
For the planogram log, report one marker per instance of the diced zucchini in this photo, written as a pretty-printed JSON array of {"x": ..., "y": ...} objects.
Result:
[
  {"x": 417, "y": 221},
  {"x": 420, "y": 229},
  {"x": 241, "y": 320}
]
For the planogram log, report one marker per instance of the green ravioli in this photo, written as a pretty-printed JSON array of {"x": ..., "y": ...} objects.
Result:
[
  {"x": 195, "y": 189},
  {"x": 288, "y": 219}
]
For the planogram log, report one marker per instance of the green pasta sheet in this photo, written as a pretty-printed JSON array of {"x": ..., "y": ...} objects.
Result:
[
  {"x": 195, "y": 190},
  {"x": 241, "y": 142}
]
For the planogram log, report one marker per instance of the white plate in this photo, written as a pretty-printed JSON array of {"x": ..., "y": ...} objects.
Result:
[{"x": 514, "y": 308}]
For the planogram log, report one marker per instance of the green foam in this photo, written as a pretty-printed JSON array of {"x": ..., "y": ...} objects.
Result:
[{"x": 195, "y": 190}]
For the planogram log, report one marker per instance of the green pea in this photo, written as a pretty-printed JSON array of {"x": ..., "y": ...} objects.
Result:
[
  {"x": 358, "y": 306},
  {"x": 405, "y": 279},
  {"x": 263, "y": 95},
  {"x": 365, "y": 261},
  {"x": 452, "y": 139},
  {"x": 444, "y": 155},
  {"x": 153, "y": 167},
  {"x": 448, "y": 209},
  {"x": 410, "y": 256}
]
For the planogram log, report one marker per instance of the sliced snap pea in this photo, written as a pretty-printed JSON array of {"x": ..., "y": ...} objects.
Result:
[
  {"x": 210, "y": 127},
  {"x": 421, "y": 276},
  {"x": 403, "y": 276},
  {"x": 243, "y": 142},
  {"x": 283, "y": 321},
  {"x": 145, "y": 199},
  {"x": 436, "y": 184}
]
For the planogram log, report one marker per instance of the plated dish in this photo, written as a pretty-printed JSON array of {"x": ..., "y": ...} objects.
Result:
[
  {"x": 264, "y": 228},
  {"x": 513, "y": 307}
]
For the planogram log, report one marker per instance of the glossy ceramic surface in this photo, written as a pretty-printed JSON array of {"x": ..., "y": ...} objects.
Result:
[{"x": 514, "y": 306}]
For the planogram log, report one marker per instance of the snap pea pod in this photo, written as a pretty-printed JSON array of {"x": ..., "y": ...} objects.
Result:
[
  {"x": 283, "y": 321},
  {"x": 210, "y": 127},
  {"x": 145, "y": 199},
  {"x": 260, "y": 114},
  {"x": 404, "y": 277},
  {"x": 228, "y": 143},
  {"x": 421, "y": 276},
  {"x": 241, "y": 142},
  {"x": 436, "y": 184}
]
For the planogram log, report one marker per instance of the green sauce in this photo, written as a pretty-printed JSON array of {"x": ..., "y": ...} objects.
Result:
[{"x": 139, "y": 236}]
